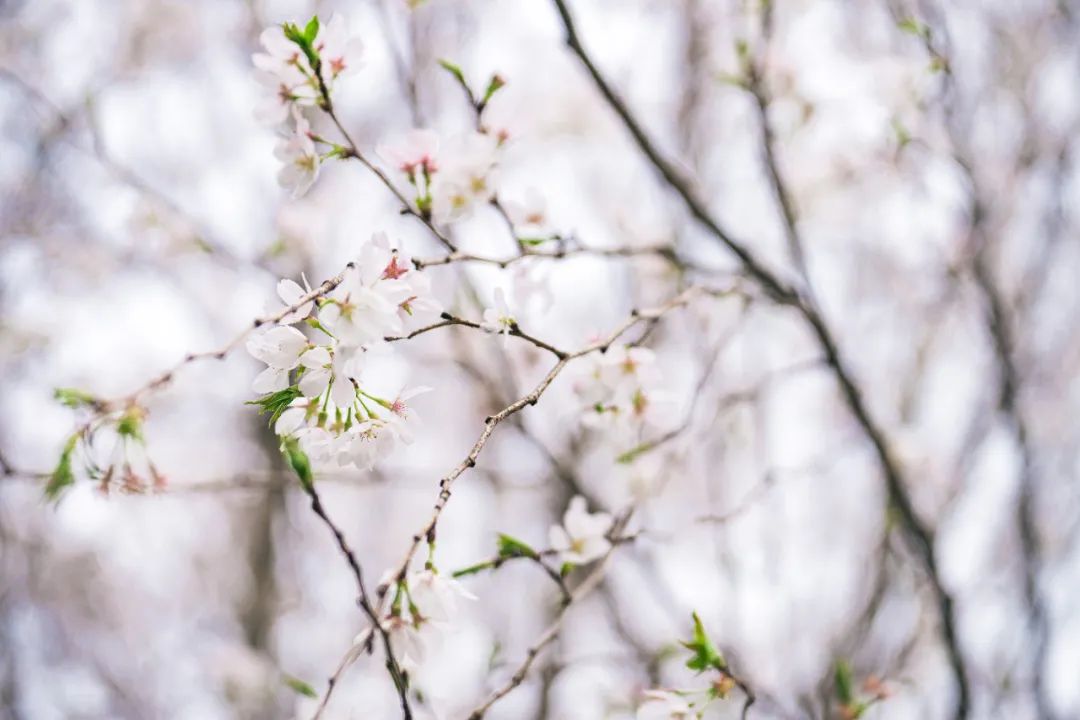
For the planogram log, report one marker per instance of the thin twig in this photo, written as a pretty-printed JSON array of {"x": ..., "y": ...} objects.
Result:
[
  {"x": 918, "y": 534},
  {"x": 590, "y": 583},
  {"x": 401, "y": 681}
]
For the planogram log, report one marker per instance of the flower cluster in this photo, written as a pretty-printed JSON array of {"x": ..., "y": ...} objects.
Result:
[
  {"x": 422, "y": 607},
  {"x": 447, "y": 179},
  {"x": 313, "y": 391},
  {"x": 298, "y": 69},
  {"x": 127, "y": 464},
  {"x": 620, "y": 394}
]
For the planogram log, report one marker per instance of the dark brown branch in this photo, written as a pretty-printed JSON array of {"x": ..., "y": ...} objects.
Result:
[
  {"x": 401, "y": 682},
  {"x": 919, "y": 536}
]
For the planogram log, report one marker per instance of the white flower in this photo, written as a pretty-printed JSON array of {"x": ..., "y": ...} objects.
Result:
[
  {"x": 365, "y": 444},
  {"x": 421, "y": 306},
  {"x": 335, "y": 370},
  {"x": 406, "y": 642},
  {"x": 644, "y": 474},
  {"x": 291, "y": 294},
  {"x": 377, "y": 297},
  {"x": 619, "y": 394},
  {"x": 295, "y": 416},
  {"x": 499, "y": 319},
  {"x": 280, "y": 348},
  {"x": 300, "y": 156},
  {"x": 411, "y": 151},
  {"x": 665, "y": 705},
  {"x": 529, "y": 217},
  {"x": 407, "y": 417},
  {"x": 282, "y": 54},
  {"x": 339, "y": 54},
  {"x": 466, "y": 176},
  {"x": 319, "y": 444},
  {"x": 363, "y": 311},
  {"x": 437, "y": 596},
  {"x": 582, "y": 537},
  {"x": 286, "y": 78},
  {"x": 623, "y": 366}
]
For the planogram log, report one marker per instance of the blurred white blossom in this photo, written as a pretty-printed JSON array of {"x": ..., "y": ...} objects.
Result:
[{"x": 582, "y": 537}]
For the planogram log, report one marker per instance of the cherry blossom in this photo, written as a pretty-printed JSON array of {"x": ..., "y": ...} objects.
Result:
[
  {"x": 415, "y": 154},
  {"x": 465, "y": 179},
  {"x": 416, "y": 150},
  {"x": 300, "y": 156},
  {"x": 399, "y": 404},
  {"x": 285, "y": 75},
  {"x": 437, "y": 596},
  {"x": 406, "y": 642},
  {"x": 665, "y": 705},
  {"x": 529, "y": 216},
  {"x": 582, "y": 537},
  {"x": 282, "y": 54},
  {"x": 336, "y": 370},
  {"x": 362, "y": 311},
  {"x": 365, "y": 444},
  {"x": 280, "y": 348},
  {"x": 376, "y": 297},
  {"x": 291, "y": 294},
  {"x": 293, "y": 418},
  {"x": 620, "y": 393},
  {"x": 499, "y": 319},
  {"x": 338, "y": 53}
]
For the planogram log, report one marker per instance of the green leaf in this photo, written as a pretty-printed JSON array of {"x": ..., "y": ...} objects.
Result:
[
  {"x": 914, "y": 27},
  {"x": 276, "y": 403},
  {"x": 706, "y": 655},
  {"x": 299, "y": 686},
  {"x": 62, "y": 477},
  {"x": 494, "y": 85},
  {"x": 566, "y": 568},
  {"x": 533, "y": 242},
  {"x": 903, "y": 136},
  {"x": 474, "y": 569},
  {"x": 455, "y": 71},
  {"x": 628, "y": 457},
  {"x": 73, "y": 398},
  {"x": 844, "y": 682},
  {"x": 311, "y": 29},
  {"x": 293, "y": 33},
  {"x": 304, "y": 39},
  {"x": 510, "y": 547},
  {"x": 299, "y": 461}
]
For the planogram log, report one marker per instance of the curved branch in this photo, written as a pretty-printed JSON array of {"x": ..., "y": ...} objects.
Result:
[{"x": 918, "y": 534}]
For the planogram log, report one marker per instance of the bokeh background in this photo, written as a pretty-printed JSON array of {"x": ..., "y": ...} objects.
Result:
[{"x": 928, "y": 149}]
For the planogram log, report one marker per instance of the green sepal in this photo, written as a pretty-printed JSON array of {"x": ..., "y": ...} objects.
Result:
[
  {"x": 276, "y": 403},
  {"x": 494, "y": 85},
  {"x": 510, "y": 547},
  {"x": 298, "y": 461},
  {"x": 844, "y": 682},
  {"x": 299, "y": 686},
  {"x": 474, "y": 569},
  {"x": 130, "y": 425},
  {"x": 62, "y": 477},
  {"x": 74, "y": 398},
  {"x": 454, "y": 70}
]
